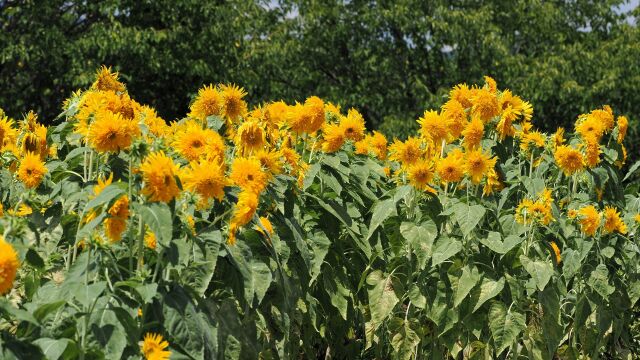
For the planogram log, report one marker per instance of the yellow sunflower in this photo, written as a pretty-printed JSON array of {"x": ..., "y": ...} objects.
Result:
[
  {"x": 277, "y": 112},
  {"x": 205, "y": 178},
  {"x": 569, "y": 160},
  {"x": 531, "y": 140},
  {"x": 247, "y": 173},
  {"x": 378, "y": 143},
  {"x": 478, "y": 165},
  {"x": 455, "y": 118},
  {"x": 208, "y": 102},
  {"x": 589, "y": 219},
  {"x": 352, "y": 125},
  {"x": 613, "y": 222},
  {"x": 31, "y": 170},
  {"x": 408, "y": 152},
  {"x": 150, "y": 240},
  {"x": 462, "y": 94},
  {"x": 473, "y": 133},
  {"x": 7, "y": 132},
  {"x": 266, "y": 224},
  {"x": 592, "y": 151},
  {"x": 110, "y": 132},
  {"x": 433, "y": 127},
  {"x": 190, "y": 140},
  {"x": 590, "y": 126},
  {"x": 8, "y": 266},
  {"x": 270, "y": 160},
  {"x": 451, "y": 168},
  {"x": 556, "y": 251},
  {"x": 333, "y": 136},
  {"x": 154, "y": 347},
  {"x": 420, "y": 175},
  {"x": 314, "y": 109},
  {"x": 158, "y": 173},
  {"x": 233, "y": 105},
  {"x": 623, "y": 125},
  {"x": 116, "y": 223},
  {"x": 485, "y": 105},
  {"x": 243, "y": 212},
  {"x": 250, "y": 137},
  {"x": 107, "y": 80}
]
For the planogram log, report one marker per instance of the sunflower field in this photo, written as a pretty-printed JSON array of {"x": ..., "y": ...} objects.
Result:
[{"x": 288, "y": 231}]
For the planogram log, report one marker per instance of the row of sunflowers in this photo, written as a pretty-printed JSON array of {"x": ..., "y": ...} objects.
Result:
[{"x": 289, "y": 230}]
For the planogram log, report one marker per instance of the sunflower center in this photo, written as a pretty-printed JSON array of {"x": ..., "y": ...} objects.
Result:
[
  {"x": 196, "y": 144},
  {"x": 250, "y": 177},
  {"x": 167, "y": 180}
]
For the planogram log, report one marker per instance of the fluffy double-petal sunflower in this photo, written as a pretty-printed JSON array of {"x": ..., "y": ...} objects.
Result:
[
  {"x": 158, "y": 173},
  {"x": 8, "y": 266},
  {"x": 31, "y": 170}
]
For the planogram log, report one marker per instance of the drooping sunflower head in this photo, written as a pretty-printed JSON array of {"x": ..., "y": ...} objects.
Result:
[
  {"x": 592, "y": 151},
  {"x": 153, "y": 347},
  {"x": 31, "y": 170},
  {"x": 8, "y": 266},
  {"x": 623, "y": 125},
  {"x": 233, "y": 105},
  {"x": 352, "y": 125},
  {"x": 604, "y": 116},
  {"x": 314, "y": 108},
  {"x": 7, "y": 132},
  {"x": 568, "y": 159},
  {"x": 556, "y": 251},
  {"x": 158, "y": 172},
  {"x": 247, "y": 173},
  {"x": 243, "y": 212}
]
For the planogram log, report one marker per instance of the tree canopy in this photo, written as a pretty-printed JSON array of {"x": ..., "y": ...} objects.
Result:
[{"x": 390, "y": 59}]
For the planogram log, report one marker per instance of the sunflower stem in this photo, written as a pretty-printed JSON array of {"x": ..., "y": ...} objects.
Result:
[
  {"x": 140, "y": 243},
  {"x": 531, "y": 164}
]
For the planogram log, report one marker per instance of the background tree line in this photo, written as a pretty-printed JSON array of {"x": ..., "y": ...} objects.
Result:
[{"x": 390, "y": 59}]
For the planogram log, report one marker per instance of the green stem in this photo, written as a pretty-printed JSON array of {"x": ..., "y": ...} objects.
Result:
[{"x": 140, "y": 243}]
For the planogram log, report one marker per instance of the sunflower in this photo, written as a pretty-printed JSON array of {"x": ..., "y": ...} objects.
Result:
[
  {"x": 473, "y": 134},
  {"x": 107, "y": 80},
  {"x": 250, "y": 137},
  {"x": 31, "y": 170},
  {"x": 478, "y": 164},
  {"x": 451, "y": 167},
  {"x": 462, "y": 94},
  {"x": 590, "y": 126},
  {"x": 22, "y": 210},
  {"x": 156, "y": 125},
  {"x": 408, "y": 152},
  {"x": 243, "y": 212},
  {"x": 623, "y": 125},
  {"x": 270, "y": 160},
  {"x": 190, "y": 140},
  {"x": 333, "y": 109},
  {"x": 378, "y": 143},
  {"x": 352, "y": 125},
  {"x": 604, "y": 116},
  {"x": 214, "y": 148},
  {"x": 531, "y": 140},
  {"x": 490, "y": 84},
  {"x": 485, "y": 105},
  {"x": 592, "y": 151},
  {"x": 234, "y": 106},
  {"x": 558, "y": 138},
  {"x": 7, "y": 132},
  {"x": 455, "y": 118},
  {"x": 314, "y": 110},
  {"x": 333, "y": 137},
  {"x": 154, "y": 347},
  {"x": 433, "y": 127},
  {"x": 589, "y": 219},
  {"x": 116, "y": 223},
  {"x": 110, "y": 132},
  {"x": 613, "y": 222},
  {"x": 205, "y": 178},
  {"x": 420, "y": 175},
  {"x": 277, "y": 112},
  {"x": 208, "y": 102},
  {"x": 150, "y": 240},
  {"x": 247, "y": 173},
  {"x": 8, "y": 266},
  {"x": 505, "y": 127},
  {"x": 493, "y": 183},
  {"x": 556, "y": 251},
  {"x": 569, "y": 160},
  {"x": 158, "y": 173}
]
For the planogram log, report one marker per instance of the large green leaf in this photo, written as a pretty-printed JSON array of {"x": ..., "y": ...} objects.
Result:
[
  {"x": 382, "y": 296},
  {"x": 420, "y": 238},
  {"x": 158, "y": 217},
  {"x": 381, "y": 211},
  {"x": 540, "y": 271},
  {"x": 488, "y": 289},
  {"x": 109, "y": 333},
  {"x": 52, "y": 348},
  {"x": 469, "y": 279},
  {"x": 467, "y": 216},
  {"x": 404, "y": 339},
  {"x": 444, "y": 249},
  {"x": 505, "y": 325},
  {"x": 599, "y": 281}
]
